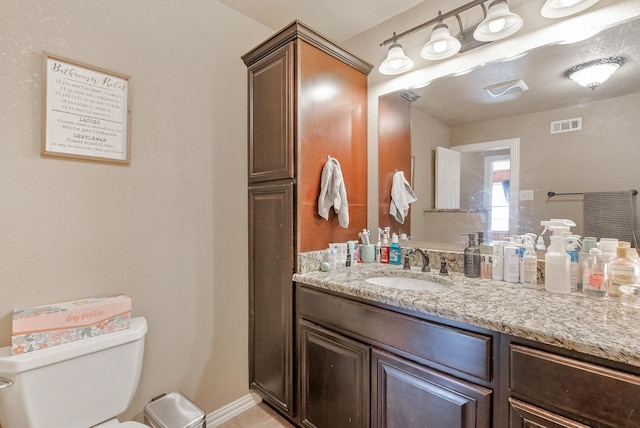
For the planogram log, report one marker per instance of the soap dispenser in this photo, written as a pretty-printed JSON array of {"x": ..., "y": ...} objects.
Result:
[{"x": 472, "y": 261}]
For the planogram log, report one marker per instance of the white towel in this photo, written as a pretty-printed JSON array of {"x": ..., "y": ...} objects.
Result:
[
  {"x": 401, "y": 196},
  {"x": 333, "y": 193}
]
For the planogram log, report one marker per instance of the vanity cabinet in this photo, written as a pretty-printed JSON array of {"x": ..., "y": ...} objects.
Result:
[
  {"x": 420, "y": 372},
  {"x": 556, "y": 388},
  {"x": 307, "y": 100},
  {"x": 334, "y": 373}
]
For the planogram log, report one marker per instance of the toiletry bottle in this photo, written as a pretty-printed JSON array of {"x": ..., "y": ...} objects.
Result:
[
  {"x": 529, "y": 273},
  {"x": 487, "y": 268},
  {"x": 588, "y": 243},
  {"x": 557, "y": 269},
  {"x": 573, "y": 258},
  {"x": 497, "y": 265},
  {"x": 472, "y": 258},
  {"x": 622, "y": 271},
  {"x": 594, "y": 275},
  {"x": 331, "y": 258},
  {"x": 378, "y": 248},
  {"x": 512, "y": 263},
  {"x": 395, "y": 252},
  {"x": 384, "y": 248}
]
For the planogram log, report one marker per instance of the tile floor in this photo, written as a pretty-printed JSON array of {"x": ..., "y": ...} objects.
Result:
[{"x": 260, "y": 416}]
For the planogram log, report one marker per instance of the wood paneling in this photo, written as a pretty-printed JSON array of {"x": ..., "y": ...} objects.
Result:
[
  {"x": 407, "y": 395},
  {"x": 332, "y": 121},
  {"x": 270, "y": 293},
  {"x": 271, "y": 135},
  {"x": 448, "y": 347},
  {"x": 394, "y": 154},
  {"x": 583, "y": 390},
  {"x": 334, "y": 379}
]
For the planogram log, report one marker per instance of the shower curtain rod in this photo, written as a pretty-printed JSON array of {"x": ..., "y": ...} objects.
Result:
[{"x": 552, "y": 194}]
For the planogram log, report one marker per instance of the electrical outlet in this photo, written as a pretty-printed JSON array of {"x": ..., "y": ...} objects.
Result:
[{"x": 526, "y": 195}]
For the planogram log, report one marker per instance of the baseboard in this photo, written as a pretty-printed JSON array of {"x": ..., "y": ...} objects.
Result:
[{"x": 222, "y": 415}]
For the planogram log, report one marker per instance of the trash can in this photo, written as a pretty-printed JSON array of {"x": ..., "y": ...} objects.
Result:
[{"x": 173, "y": 410}]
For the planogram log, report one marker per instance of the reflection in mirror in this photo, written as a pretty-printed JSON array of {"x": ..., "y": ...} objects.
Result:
[{"x": 572, "y": 139}]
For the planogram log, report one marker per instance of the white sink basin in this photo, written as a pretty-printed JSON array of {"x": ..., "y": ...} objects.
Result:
[{"x": 401, "y": 283}]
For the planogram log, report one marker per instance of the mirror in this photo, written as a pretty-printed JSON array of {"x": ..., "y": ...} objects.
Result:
[{"x": 594, "y": 146}]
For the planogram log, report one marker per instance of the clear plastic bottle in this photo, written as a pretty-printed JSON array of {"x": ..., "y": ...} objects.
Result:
[
  {"x": 622, "y": 271},
  {"x": 588, "y": 243},
  {"x": 557, "y": 269},
  {"x": 573, "y": 255},
  {"x": 395, "y": 252},
  {"x": 472, "y": 258},
  {"x": 595, "y": 280},
  {"x": 529, "y": 272}
]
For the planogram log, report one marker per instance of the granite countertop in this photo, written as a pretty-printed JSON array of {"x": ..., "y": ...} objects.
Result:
[{"x": 600, "y": 327}]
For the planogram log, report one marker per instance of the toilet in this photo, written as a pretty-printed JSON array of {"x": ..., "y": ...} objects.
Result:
[{"x": 80, "y": 384}]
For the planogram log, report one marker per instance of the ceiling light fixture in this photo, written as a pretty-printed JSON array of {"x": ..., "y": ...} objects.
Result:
[
  {"x": 593, "y": 73},
  {"x": 562, "y": 8},
  {"x": 499, "y": 22}
]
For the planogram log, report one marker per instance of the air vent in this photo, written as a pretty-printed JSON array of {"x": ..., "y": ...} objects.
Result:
[
  {"x": 507, "y": 88},
  {"x": 567, "y": 125},
  {"x": 409, "y": 95}
]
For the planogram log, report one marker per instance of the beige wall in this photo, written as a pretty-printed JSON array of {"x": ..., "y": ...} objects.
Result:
[
  {"x": 426, "y": 134},
  {"x": 603, "y": 156},
  {"x": 169, "y": 230}
]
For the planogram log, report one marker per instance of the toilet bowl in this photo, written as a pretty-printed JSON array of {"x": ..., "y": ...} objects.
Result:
[{"x": 80, "y": 384}]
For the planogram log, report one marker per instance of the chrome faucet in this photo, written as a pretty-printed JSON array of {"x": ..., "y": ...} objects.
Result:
[{"x": 425, "y": 259}]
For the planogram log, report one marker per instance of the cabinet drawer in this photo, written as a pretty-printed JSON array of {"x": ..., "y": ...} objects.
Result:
[
  {"x": 589, "y": 391},
  {"x": 461, "y": 350}
]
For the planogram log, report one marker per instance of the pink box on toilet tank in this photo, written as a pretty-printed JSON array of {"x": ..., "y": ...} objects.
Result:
[{"x": 45, "y": 326}]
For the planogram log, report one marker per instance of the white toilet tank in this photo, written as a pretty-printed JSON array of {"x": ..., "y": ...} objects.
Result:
[{"x": 75, "y": 385}]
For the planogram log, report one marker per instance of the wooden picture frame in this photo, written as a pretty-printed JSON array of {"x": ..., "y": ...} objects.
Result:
[{"x": 86, "y": 111}]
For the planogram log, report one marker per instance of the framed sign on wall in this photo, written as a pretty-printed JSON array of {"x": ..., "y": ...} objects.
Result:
[{"x": 86, "y": 111}]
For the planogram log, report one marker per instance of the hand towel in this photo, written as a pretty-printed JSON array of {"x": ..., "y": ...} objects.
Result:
[
  {"x": 401, "y": 196},
  {"x": 333, "y": 193},
  {"x": 611, "y": 215}
]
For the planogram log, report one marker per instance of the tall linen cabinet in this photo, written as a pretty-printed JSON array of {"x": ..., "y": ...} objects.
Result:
[{"x": 307, "y": 101}]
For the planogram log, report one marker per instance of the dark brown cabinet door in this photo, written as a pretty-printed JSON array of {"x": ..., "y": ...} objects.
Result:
[
  {"x": 523, "y": 415},
  {"x": 271, "y": 293},
  {"x": 408, "y": 395},
  {"x": 271, "y": 116},
  {"x": 334, "y": 379}
]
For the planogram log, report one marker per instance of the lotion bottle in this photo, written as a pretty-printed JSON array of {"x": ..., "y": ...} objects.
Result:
[{"x": 557, "y": 267}]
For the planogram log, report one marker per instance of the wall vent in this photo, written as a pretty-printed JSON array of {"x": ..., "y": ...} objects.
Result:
[
  {"x": 567, "y": 125},
  {"x": 409, "y": 95},
  {"x": 507, "y": 88}
]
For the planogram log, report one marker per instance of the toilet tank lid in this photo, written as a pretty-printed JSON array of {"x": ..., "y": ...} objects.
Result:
[{"x": 15, "y": 364}]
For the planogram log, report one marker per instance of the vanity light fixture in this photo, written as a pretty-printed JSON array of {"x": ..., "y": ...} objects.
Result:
[
  {"x": 593, "y": 73},
  {"x": 562, "y": 8},
  {"x": 396, "y": 62},
  {"x": 499, "y": 22},
  {"x": 441, "y": 44}
]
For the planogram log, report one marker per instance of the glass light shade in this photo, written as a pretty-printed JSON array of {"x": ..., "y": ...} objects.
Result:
[
  {"x": 562, "y": 8},
  {"x": 396, "y": 62},
  {"x": 441, "y": 44},
  {"x": 594, "y": 73},
  {"x": 499, "y": 23}
]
